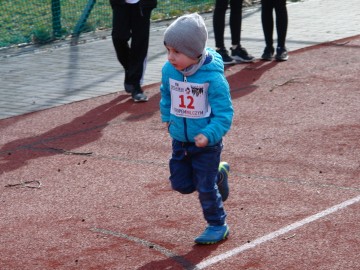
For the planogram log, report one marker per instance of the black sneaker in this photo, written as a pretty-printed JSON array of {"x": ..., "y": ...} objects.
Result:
[
  {"x": 241, "y": 55},
  {"x": 268, "y": 54},
  {"x": 138, "y": 95},
  {"x": 281, "y": 54},
  {"x": 225, "y": 56}
]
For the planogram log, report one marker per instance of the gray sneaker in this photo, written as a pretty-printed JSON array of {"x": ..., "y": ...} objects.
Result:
[{"x": 138, "y": 95}]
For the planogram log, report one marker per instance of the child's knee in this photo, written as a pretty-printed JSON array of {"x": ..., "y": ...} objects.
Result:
[{"x": 183, "y": 189}]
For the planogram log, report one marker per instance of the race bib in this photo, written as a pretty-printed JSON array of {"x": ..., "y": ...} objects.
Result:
[{"x": 189, "y": 100}]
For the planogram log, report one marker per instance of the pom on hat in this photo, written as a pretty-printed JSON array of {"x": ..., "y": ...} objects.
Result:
[{"x": 187, "y": 34}]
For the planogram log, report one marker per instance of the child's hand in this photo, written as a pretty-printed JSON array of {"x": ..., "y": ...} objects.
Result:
[
  {"x": 166, "y": 124},
  {"x": 201, "y": 140}
]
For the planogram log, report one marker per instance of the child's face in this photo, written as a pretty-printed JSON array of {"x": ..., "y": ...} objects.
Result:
[{"x": 179, "y": 60}]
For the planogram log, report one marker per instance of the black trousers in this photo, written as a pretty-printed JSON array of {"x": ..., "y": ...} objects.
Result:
[
  {"x": 267, "y": 7},
  {"x": 234, "y": 21},
  {"x": 130, "y": 22}
]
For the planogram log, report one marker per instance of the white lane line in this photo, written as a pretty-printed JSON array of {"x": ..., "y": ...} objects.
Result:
[{"x": 277, "y": 233}]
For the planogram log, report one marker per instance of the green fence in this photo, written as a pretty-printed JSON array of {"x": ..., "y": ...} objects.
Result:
[{"x": 42, "y": 21}]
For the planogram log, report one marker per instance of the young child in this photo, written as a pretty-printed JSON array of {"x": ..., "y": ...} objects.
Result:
[{"x": 196, "y": 107}]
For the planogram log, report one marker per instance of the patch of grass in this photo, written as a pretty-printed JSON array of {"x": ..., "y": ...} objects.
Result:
[{"x": 23, "y": 21}]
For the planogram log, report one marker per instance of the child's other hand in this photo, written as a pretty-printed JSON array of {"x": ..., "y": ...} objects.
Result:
[
  {"x": 166, "y": 124},
  {"x": 201, "y": 140}
]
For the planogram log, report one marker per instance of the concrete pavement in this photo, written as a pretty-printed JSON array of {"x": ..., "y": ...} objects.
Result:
[{"x": 34, "y": 79}]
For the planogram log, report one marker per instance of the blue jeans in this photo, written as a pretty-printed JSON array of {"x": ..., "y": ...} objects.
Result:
[{"x": 196, "y": 169}]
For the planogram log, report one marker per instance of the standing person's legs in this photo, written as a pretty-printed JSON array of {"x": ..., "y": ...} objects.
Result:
[
  {"x": 121, "y": 34},
  {"x": 237, "y": 51},
  {"x": 281, "y": 28},
  {"x": 219, "y": 29},
  {"x": 267, "y": 21},
  {"x": 219, "y": 22},
  {"x": 140, "y": 25},
  {"x": 281, "y": 21},
  {"x": 235, "y": 21},
  {"x": 129, "y": 21}
]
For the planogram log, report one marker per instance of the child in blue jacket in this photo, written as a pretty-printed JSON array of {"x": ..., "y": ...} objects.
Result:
[{"x": 196, "y": 107}]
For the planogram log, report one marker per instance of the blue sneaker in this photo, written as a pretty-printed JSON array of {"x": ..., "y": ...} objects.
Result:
[
  {"x": 213, "y": 234},
  {"x": 223, "y": 184}
]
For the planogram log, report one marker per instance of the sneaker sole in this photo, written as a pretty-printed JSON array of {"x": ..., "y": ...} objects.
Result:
[
  {"x": 230, "y": 63},
  {"x": 281, "y": 59},
  {"x": 140, "y": 100},
  {"x": 239, "y": 59}
]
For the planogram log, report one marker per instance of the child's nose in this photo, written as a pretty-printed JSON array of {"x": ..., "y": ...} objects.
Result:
[{"x": 170, "y": 57}]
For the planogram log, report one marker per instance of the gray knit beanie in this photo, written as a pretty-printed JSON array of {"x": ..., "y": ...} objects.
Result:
[{"x": 187, "y": 34}]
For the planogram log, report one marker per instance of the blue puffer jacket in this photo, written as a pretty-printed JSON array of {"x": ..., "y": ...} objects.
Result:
[{"x": 219, "y": 122}]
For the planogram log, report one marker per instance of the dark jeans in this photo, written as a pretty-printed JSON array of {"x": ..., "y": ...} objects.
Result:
[
  {"x": 131, "y": 22},
  {"x": 196, "y": 169},
  {"x": 234, "y": 21},
  {"x": 267, "y": 7}
]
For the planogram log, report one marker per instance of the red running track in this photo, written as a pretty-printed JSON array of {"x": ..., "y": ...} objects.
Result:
[{"x": 84, "y": 185}]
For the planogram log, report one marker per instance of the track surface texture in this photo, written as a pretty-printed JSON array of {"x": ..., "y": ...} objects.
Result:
[{"x": 85, "y": 185}]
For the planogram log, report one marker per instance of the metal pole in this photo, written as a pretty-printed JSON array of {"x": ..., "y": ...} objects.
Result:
[
  {"x": 84, "y": 17},
  {"x": 56, "y": 17}
]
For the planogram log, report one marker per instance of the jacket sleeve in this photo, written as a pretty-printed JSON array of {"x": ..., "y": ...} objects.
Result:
[
  {"x": 222, "y": 111},
  {"x": 165, "y": 101}
]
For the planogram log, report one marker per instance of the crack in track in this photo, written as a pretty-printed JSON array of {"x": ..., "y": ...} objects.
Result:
[{"x": 168, "y": 253}]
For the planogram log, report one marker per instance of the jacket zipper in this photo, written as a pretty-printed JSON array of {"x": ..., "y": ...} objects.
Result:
[{"x": 184, "y": 119}]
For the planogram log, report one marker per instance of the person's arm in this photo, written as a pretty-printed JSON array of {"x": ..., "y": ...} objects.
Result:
[
  {"x": 201, "y": 140},
  {"x": 165, "y": 101},
  {"x": 221, "y": 110}
]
